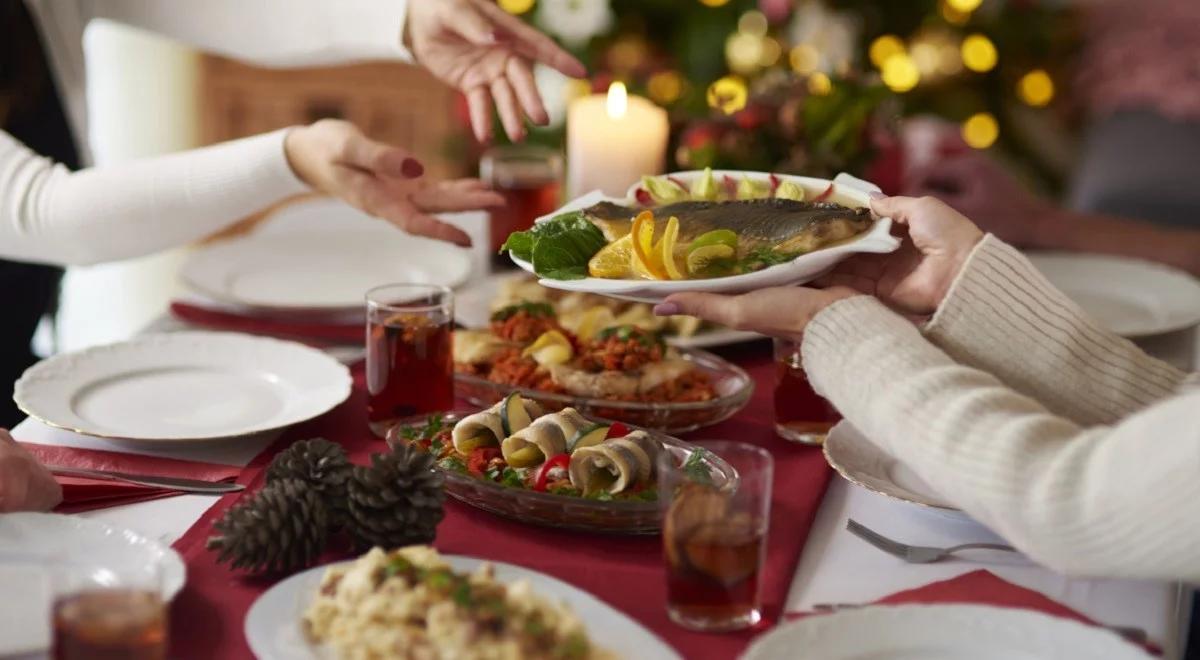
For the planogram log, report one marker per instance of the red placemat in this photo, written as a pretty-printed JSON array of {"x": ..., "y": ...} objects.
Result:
[
  {"x": 81, "y": 494},
  {"x": 300, "y": 330},
  {"x": 626, "y": 572},
  {"x": 982, "y": 588}
]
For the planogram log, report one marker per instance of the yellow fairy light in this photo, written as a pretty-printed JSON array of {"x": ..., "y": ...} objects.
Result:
[
  {"x": 753, "y": 22},
  {"x": 771, "y": 52},
  {"x": 952, "y": 15},
  {"x": 884, "y": 47},
  {"x": 714, "y": 3},
  {"x": 900, "y": 73},
  {"x": 727, "y": 94},
  {"x": 516, "y": 6},
  {"x": 819, "y": 84},
  {"x": 743, "y": 51},
  {"x": 927, "y": 57},
  {"x": 979, "y": 53},
  {"x": 1036, "y": 88},
  {"x": 665, "y": 87},
  {"x": 965, "y": 6},
  {"x": 980, "y": 130},
  {"x": 804, "y": 59}
]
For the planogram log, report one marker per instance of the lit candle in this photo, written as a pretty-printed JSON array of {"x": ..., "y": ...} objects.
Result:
[{"x": 612, "y": 141}]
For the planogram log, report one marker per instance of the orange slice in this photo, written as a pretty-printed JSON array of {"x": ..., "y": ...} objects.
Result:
[{"x": 644, "y": 258}]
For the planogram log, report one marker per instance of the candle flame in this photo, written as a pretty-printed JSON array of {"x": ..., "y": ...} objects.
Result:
[{"x": 617, "y": 100}]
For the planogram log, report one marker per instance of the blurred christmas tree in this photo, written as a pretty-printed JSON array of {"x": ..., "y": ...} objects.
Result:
[{"x": 817, "y": 86}]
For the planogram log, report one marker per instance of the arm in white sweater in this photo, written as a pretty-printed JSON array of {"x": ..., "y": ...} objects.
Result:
[
  {"x": 270, "y": 32},
  {"x": 1003, "y": 316},
  {"x": 1118, "y": 500},
  {"x": 51, "y": 215}
]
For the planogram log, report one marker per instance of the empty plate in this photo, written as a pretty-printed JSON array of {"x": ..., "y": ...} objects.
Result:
[
  {"x": 863, "y": 463},
  {"x": 941, "y": 632},
  {"x": 1130, "y": 297},
  {"x": 183, "y": 386},
  {"x": 319, "y": 270}
]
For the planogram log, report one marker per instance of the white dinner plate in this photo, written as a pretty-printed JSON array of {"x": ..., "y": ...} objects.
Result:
[
  {"x": 473, "y": 309},
  {"x": 319, "y": 270},
  {"x": 862, "y": 463},
  {"x": 273, "y": 624},
  {"x": 847, "y": 190},
  {"x": 32, "y": 544},
  {"x": 1130, "y": 297},
  {"x": 183, "y": 386},
  {"x": 941, "y": 632}
]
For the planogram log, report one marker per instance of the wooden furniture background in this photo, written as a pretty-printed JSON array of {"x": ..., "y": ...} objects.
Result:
[{"x": 392, "y": 102}]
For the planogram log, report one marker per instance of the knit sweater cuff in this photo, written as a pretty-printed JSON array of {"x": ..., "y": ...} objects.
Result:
[{"x": 1002, "y": 315}]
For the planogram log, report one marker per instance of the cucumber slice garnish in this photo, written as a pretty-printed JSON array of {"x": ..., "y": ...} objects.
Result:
[
  {"x": 513, "y": 416},
  {"x": 588, "y": 436}
]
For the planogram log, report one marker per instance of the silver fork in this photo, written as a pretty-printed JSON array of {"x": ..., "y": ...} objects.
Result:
[{"x": 916, "y": 554}]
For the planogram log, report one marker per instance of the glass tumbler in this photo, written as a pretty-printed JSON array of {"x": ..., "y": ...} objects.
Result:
[
  {"x": 104, "y": 611},
  {"x": 801, "y": 415}
]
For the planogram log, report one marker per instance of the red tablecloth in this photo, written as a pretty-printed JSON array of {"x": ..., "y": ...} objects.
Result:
[{"x": 626, "y": 572}]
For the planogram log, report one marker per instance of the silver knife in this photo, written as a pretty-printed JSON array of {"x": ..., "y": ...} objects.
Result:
[{"x": 174, "y": 483}]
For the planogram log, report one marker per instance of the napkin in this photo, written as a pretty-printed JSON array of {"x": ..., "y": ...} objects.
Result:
[
  {"x": 337, "y": 330},
  {"x": 80, "y": 494},
  {"x": 983, "y": 588}
]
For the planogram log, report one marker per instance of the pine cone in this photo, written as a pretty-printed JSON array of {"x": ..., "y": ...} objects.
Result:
[
  {"x": 396, "y": 501},
  {"x": 323, "y": 466},
  {"x": 281, "y": 528}
]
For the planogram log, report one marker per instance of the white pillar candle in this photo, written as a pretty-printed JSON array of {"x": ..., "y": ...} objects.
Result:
[{"x": 612, "y": 140}]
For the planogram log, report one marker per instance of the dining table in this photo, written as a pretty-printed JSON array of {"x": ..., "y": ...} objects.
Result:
[{"x": 833, "y": 567}]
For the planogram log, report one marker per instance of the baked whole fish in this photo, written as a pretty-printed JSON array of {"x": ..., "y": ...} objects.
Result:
[{"x": 784, "y": 225}]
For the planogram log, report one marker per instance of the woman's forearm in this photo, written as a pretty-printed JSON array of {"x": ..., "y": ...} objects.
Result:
[
  {"x": 1077, "y": 231},
  {"x": 1079, "y": 500},
  {"x": 51, "y": 215},
  {"x": 271, "y": 32}
]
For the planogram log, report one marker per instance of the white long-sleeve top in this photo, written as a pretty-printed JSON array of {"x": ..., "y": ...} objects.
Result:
[
  {"x": 1064, "y": 438},
  {"x": 50, "y": 215}
]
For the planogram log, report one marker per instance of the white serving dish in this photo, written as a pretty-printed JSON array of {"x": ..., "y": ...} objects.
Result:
[{"x": 848, "y": 190}]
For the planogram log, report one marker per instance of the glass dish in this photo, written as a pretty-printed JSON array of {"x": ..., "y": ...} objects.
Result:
[
  {"x": 561, "y": 511},
  {"x": 732, "y": 384}
]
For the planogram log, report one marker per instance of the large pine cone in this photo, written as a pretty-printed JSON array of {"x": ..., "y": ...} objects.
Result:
[
  {"x": 281, "y": 528},
  {"x": 323, "y": 466},
  {"x": 397, "y": 501}
]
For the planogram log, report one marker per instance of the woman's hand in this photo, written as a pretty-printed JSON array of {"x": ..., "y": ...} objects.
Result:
[
  {"x": 335, "y": 158},
  {"x": 781, "y": 312},
  {"x": 914, "y": 279},
  {"x": 25, "y": 484},
  {"x": 487, "y": 54},
  {"x": 981, "y": 189}
]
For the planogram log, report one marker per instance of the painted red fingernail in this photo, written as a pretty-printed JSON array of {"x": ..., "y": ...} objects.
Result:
[
  {"x": 498, "y": 36},
  {"x": 412, "y": 168}
]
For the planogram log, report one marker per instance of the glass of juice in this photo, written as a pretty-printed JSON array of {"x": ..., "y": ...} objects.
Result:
[
  {"x": 801, "y": 415},
  {"x": 715, "y": 535},
  {"x": 105, "y": 611},
  {"x": 530, "y": 179},
  {"x": 410, "y": 368}
]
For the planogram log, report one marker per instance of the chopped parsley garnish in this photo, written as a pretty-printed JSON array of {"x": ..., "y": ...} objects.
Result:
[
  {"x": 433, "y": 425},
  {"x": 600, "y": 495},
  {"x": 696, "y": 467},
  {"x": 511, "y": 478},
  {"x": 452, "y": 464},
  {"x": 462, "y": 594},
  {"x": 765, "y": 257},
  {"x": 627, "y": 332},
  {"x": 397, "y": 565},
  {"x": 535, "y": 309}
]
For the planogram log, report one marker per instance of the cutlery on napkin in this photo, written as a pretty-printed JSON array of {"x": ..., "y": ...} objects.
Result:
[{"x": 153, "y": 481}]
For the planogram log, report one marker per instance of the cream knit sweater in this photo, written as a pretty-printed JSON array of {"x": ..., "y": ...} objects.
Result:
[{"x": 1067, "y": 440}]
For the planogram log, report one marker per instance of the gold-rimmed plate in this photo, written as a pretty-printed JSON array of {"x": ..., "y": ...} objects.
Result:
[{"x": 865, "y": 464}]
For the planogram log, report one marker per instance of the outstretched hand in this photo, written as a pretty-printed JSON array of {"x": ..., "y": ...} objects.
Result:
[
  {"x": 25, "y": 484},
  {"x": 335, "y": 158},
  {"x": 782, "y": 311},
  {"x": 487, "y": 54}
]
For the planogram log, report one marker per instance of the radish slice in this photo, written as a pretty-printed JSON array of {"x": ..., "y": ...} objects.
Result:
[
  {"x": 774, "y": 183},
  {"x": 730, "y": 186},
  {"x": 643, "y": 197},
  {"x": 825, "y": 195},
  {"x": 677, "y": 182}
]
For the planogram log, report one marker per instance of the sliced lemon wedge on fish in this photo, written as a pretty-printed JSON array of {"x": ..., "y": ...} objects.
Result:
[
  {"x": 703, "y": 260},
  {"x": 666, "y": 249},
  {"x": 614, "y": 261},
  {"x": 645, "y": 261},
  {"x": 552, "y": 347}
]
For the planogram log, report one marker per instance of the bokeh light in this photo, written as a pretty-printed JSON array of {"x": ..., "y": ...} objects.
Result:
[
  {"x": 753, "y": 22},
  {"x": 952, "y": 15},
  {"x": 979, "y": 53},
  {"x": 981, "y": 130},
  {"x": 714, "y": 3},
  {"x": 665, "y": 87},
  {"x": 884, "y": 47},
  {"x": 819, "y": 84},
  {"x": 771, "y": 52},
  {"x": 1036, "y": 88},
  {"x": 900, "y": 73},
  {"x": 743, "y": 52},
  {"x": 727, "y": 94},
  {"x": 804, "y": 59},
  {"x": 965, "y": 6},
  {"x": 516, "y": 6}
]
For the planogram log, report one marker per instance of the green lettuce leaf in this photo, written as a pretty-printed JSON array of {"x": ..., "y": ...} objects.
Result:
[{"x": 560, "y": 248}]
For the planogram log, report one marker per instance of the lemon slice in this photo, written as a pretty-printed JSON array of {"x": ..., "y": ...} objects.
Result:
[
  {"x": 705, "y": 257},
  {"x": 645, "y": 262},
  {"x": 666, "y": 249},
  {"x": 594, "y": 320},
  {"x": 614, "y": 261},
  {"x": 552, "y": 347},
  {"x": 715, "y": 237}
]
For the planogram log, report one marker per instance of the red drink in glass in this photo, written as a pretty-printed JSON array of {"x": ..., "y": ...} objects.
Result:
[
  {"x": 530, "y": 179},
  {"x": 110, "y": 624},
  {"x": 410, "y": 362},
  {"x": 801, "y": 415}
]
